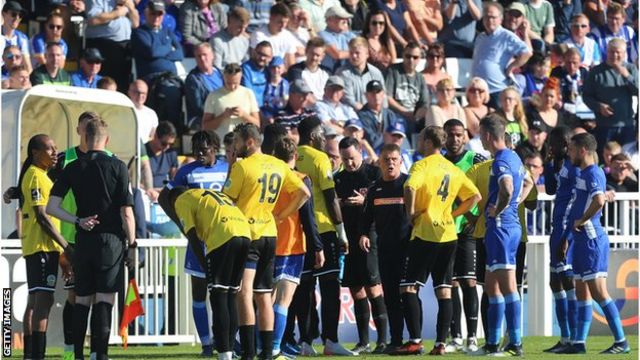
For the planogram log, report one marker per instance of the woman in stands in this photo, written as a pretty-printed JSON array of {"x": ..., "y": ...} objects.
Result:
[
  {"x": 446, "y": 106},
  {"x": 434, "y": 70},
  {"x": 543, "y": 109},
  {"x": 477, "y": 95},
  {"x": 512, "y": 110},
  {"x": 382, "y": 51},
  {"x": 53, "y": 27},
  {"x": 199, "y": 20}
]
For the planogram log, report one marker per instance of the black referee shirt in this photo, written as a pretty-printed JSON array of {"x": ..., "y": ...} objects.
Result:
[
  {"x": 346, "y": 182},
  {"x": 100, "y": 185}
]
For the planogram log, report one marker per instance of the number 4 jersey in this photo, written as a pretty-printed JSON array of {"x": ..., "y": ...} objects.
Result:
[
  {"x": 255, "y": 183},
  {"x": 437, "y": 183}
]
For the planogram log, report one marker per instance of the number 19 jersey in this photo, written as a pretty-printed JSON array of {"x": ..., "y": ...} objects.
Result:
[
  {"x": 255, "y": 184},
  {"x": 437, "y": 183}
]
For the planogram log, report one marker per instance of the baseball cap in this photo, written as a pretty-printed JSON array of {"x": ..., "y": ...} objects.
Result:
[
  {"x": 156, "y": 5},
  {"x": 539, "y": 124},
  {"x": 334, "y": 81},
  {"x": 356, "y": 123},
  {"x": 518, "y": 6},
  {"x": 329, "y": 131},
  {"x": 396, "y": 128},
  {"x": 338, "y": 11},
  {"x": 14, "y": 6},
  {"x": 374, "y": 86},
  {"x": 300, "y": 87},
  {"x": 92, "y": 55},
  {"x": 276, "y": 61}
]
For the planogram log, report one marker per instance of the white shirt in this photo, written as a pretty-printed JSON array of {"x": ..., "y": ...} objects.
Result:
[
  {"x": 316, "y": 81},
  {"x": 282, "y": 43},
  {"x": 147, "y": 122}
]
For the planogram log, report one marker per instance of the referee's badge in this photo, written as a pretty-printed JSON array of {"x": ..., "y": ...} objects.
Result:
[
  {"x": 36, "y": 195},
  {"x": 51, "y": 280}
]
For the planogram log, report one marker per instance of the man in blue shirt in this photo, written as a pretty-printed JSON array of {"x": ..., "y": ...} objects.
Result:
[
  {"x": 508, "y": 183},
  {"x": 255, "y": 74},
  {"x": 90, "y": 65},
  {"x": 202, "y": 80},
  {"x": 590, "y": 252}
]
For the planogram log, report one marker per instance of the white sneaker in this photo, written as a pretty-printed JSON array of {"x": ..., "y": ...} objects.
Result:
[
  {"x": 307, "y": 350},
  {"x": 472, "y": 345},
  {"x": 336, "y": 349},
  {"x": 455, "y": 345},
  {"x": 225, "y": 355}
]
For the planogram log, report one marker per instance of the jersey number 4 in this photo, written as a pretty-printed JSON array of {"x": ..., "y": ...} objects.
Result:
[
  {"x": 270, "y": 188},
  {"x": 443, "y": 190}
]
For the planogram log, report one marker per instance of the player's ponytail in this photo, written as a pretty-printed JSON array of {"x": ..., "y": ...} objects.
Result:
[{"x": 35, "y": 143}]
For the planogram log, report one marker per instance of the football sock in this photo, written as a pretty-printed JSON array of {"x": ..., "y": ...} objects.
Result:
[
  {"x": 201, "y": 320},
  {"x": 38, "y": 344},
  {"x": 80, "y": 318},
  {"x": 572, "y": 312},
  {"x": 220, "y": 320},
  {"x": 279, "y": 324},
  {"x": 67, "y": 323},
  {"x": 380, "y": 318},
  {"x": 362, "y": 313},
  {"x": 470, "y": 302},
  {"x": 456, "y": 329},
  {"x": 445, "y": 310},
  {"x": 247, "y": 340},
  {"x": 495, "y": 316},
  {"x": 562, "y": 312},
  {"x": 585, "y": 316},
  {"x": 513, "y": 312},
  {"x": 411, "y": 308},
  {"x": 330, "y": 307},
  {"x": 613, "y": 319},
  {"x": 103, "y": 318}
]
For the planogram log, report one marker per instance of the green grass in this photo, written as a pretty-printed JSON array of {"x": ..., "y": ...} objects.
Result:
[{"x": 532, "y": 345}]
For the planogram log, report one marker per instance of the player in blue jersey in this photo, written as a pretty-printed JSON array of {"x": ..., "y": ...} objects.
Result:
[
  {"x": 508, "y": 184},
  {"x": 590, "y": 249},
  {"x": 560, "y": 178},
  {"x": 207, "y": 172}
]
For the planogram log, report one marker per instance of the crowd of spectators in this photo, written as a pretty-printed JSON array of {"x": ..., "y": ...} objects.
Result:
[{"x": 375, "y": 69}]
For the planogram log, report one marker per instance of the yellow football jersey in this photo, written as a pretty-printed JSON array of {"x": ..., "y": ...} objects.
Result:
[
  {"x": 437, "y": 183},
  {"x": 479, "y": 175},
  {"x": 255, "y": 184},
  {"x": 213, "y": 214},
  {"x": 533, "y": 195},
  {"x": 35, "y": 188},
  {"x": 317, "y": 166}
]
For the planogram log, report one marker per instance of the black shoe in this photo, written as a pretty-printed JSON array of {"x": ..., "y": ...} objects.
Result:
[
  {"x": 380, "y": 349},
  {"x": 362, "y": 349},
  {"x": 555, "y": 348},
  {"x": 621, "y": 347},
  {"x": 513, "y": 350}
]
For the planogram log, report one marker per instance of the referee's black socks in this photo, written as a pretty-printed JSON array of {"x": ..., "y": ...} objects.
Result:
[
  {"x": 445, "y": 311},
  {"x": 38, "y": 344},
  {"x": 103, "y": 319},
  {"x": 67, "y": 323},
  {"x": 80, "y": 317},
  {"x": 456, "y": 329},
  {"x": 27, "y": 347},
  {"x": 362, "y": 313},
  {"x": 247, "y": 340},
  {"x": 380, "y": 318}
]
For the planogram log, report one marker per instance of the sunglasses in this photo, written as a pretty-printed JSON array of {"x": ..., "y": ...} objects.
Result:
[
  {"x": 11, "y": 56},
  {"x": 55, "y": 27},
  {"x": 14, "y": 14},
  {"x": 378, "y": 23}
]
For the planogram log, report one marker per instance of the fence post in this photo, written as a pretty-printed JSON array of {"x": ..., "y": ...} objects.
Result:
[{"x": 540, "y": 310}]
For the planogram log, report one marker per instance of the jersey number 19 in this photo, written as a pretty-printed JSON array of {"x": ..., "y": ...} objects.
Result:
[{"x": 270, "y": 188}]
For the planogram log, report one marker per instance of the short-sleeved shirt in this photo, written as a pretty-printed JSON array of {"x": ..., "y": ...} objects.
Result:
[
  {"x": 316, "y": 11},
  {"x": 462, "y": 27},
  {"x": 222, "y": 98},
  {"x": 479, "y": 175},
  {"x": 35, "y": 188},
  {"x": 256, "y": 183},
  {"x": 282, "y": 43},
  {"x": 229, "y": 49},
  {"x": 396, "y": 15},
  {"x": 316, "y": 164},
  {"x": 196, "y": 175},
  {"x": 40, "y": 76},
  {"x": 602, "y": 35},
  {"x": 590, "y": 182},
  {"x": 255, "y": 79},
  {"x": 339, "y": 112},
  {"x": 115, "y": 30},
  {"x": 291, "y": 238},
  {"x": 214, "y": 216},
  {"x": 340, "y": 41},
  {"x": 589, "y": 51},
  {"x": 532, "y": 196},
  {"x": 566, "y": 180},
  {"x": 506, "y": 164},
  {"x": 39, "y": 44},
  {"x": 540, "y": 16},
  {"x": 409, "y": 90},
  {"x": 437, "y": 184},
  {"x": 161, "y": 165},
  {"x": 18, "y": 39},
  {"x": 80, "y": 80}
]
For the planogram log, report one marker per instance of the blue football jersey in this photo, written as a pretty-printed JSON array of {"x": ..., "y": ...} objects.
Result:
[
  {"x": 196, "y": 175},
  {"x": 566, "y": 180},
  {"x": 506, "y": 164},
  {"x": 589, "y": 183}
]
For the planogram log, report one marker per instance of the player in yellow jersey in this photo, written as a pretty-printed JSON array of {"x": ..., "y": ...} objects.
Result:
[
  {"x": 254, "y": 183},
  {"x": 313, "y": 162},
  {"x": 210, "y": 217},
  {"x": 433, "y": 185},
  {"x": 42, "y": 242}
]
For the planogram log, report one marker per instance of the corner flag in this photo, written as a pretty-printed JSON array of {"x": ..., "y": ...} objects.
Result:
[{"x": 132, "y": 309}]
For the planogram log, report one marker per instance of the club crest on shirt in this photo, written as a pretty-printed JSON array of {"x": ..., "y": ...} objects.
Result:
[{"x": 36, "y": 195}]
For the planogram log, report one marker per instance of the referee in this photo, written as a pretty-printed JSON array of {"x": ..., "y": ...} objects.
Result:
[{"x": 100, "y": 184}]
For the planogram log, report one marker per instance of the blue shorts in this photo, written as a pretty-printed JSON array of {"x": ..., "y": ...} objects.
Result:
[
  {"x": 501, "y": 245},
  {"x": 288, "y": 268},
  {"x": 191, "y": 264},
  {"x": 557, "y": 265},
  {"x": 590, "y": 257}
]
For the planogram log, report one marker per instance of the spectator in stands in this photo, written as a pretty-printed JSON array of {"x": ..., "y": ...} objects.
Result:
[
  {"x": 619, "y": 178},
  {"x": 535, "y": 141},
  {"x": 11, "y": 57},
  {"x": 532, "y": 79},
  {"x": 155, "y": 48},
  {"x": 359, "y": 9},
  {"x": 331, "y": 110},
  {"x": 331, "y": 148},
  {"x": 354, "y": 128},
  {"x": 53, "y": 27},
  {"x": 460, "y": 18},
  {"x": 296, "y": 109},
  {"x": 615, "y": 29},
  {"x": 202, "y": 80},
  {"x": 255, "y": 73},
  {"x": 52, "y": 72},
  {"x": 563, "y": 13},
  {"x": 632, "y": 150},
  {"x": 147, "y": 118},
  {"x": 375, "y": 116},
  {"x": 426, "y": 17},
  {"x": 162, "y": 158},
  {"x": 299, "y": 25},
  {"x": 540, "y": 17},
  {"x": 512, "y": 111},
  {"x": 533, "y": 162},
  {"x": 357, "y": 73},
  {"x": 107, "y": 83},
  {"x": 445, "y": 107},
  {"x": 277, "y": 91},
  {"x": 399, "y": 22},
  {"x": 609, "y": 150},
  {"x": 275, "y": 32},
  {"x": 109, "y": 30},
  {"x": 90, "y": 65},
  {"x": 230, "y": 105},
  {"x": 382, "y": 50},
  {"x": 12, "y": 14},
  {"x": 477, "y": 95},
  {"x": 231, "y": 45},
  {"x": 608, "y": 92},
  {"x": 318, "y": 11},
  {"x": 571, "y": 76},
  {"x": 406, "y": 90},
  {"x": 19, "y": 78},
  {"x": 515, "y": 20},
  {"x": 543, "y": 109},
  {"x": 588, "y": 48},
  {"x": 434, "y": 70},
  {"x": 595, "y": 10},
  {"x": 497, "y": 52},
  {"x": 311, "y": 71},
  {"x": 199, "y": 21},
  {"x": 170, "y": 19},
  {"x": 337, "y": 37}
]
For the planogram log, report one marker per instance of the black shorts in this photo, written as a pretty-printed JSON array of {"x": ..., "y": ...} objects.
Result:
[
  {"x": 331, "y": 247},
  {"x": 481, "y": 261},
  {"x": 262, "y": 253},
  {"x": 70, "y": 283},
  {"x": 361, "y": 268},
  {"x": 98, "y": 263},
  {"x": 225, "y": 265},
  {"x": 520, "y": 257},
  {"x": 42, "y": 271},
  {"x": 464, "y": 266},
  {"x": 426, "y": 258}
]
